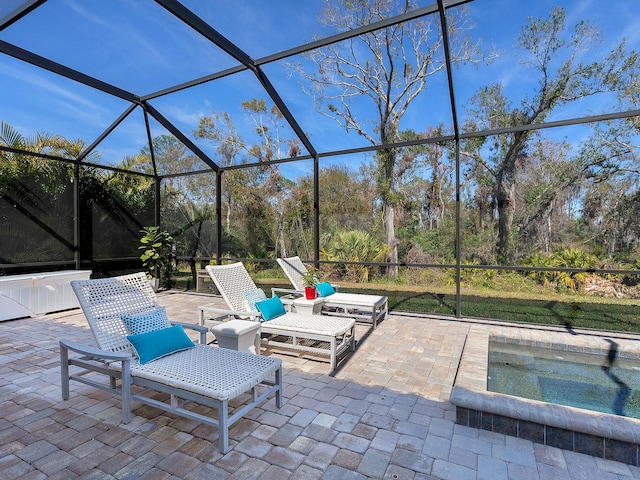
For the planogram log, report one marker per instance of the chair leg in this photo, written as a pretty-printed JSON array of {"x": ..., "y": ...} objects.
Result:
[
  {"x": 125, "y": 385},
  {"x": 64, "y": 371},
  {"x": 279, "y": 393},
  {"x": 333, "y": 354},
  {"x": 223, "y": 426},
  {"x": 353, "y": 338}
]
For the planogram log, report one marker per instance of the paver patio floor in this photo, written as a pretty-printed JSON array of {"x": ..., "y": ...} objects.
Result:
[{"x": 384, "y": 413}]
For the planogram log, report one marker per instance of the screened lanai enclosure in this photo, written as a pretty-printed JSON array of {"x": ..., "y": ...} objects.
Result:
[{"x": 474, "y": 158}]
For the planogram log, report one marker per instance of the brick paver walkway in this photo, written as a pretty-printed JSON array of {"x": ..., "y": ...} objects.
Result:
[{"x": 383, "y": 414}]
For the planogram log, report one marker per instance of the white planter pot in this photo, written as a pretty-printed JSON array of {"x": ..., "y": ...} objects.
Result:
[{"x": 155, "y": 283}]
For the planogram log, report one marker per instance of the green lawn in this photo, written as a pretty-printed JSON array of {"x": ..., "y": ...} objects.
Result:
[
  {"x": 541, "y": 308},
  {"x": 604, "y": 314}
]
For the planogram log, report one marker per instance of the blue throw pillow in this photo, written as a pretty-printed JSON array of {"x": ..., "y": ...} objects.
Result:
[
  {"x": 159, "y": 343},
  {"x": 147, "y": 321},
  {"x": 253, "y": 296},
  {"x": 324, "y": 289},
  {"x": 271, "y": 308}
]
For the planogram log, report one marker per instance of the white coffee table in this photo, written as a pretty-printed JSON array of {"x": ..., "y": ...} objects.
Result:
[
  {"x": 302, "y": 305},
  {"x": 241, "y": 335}
]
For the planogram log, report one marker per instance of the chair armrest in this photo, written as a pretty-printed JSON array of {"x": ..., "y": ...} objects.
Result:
[
  {"x": 222, "y": 313},
  {"x": 94, "y": 351},
  {"x": 286, "y": 291},
  {"x": 198, "y": 328},
  {"x": 87, "y": 361},
  {"x": 335, "y": 287}
]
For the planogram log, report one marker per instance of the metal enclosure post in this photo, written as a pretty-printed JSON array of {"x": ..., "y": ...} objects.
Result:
[
  {"x": 77, "y": 241},
  {"x": 458, "y": 236},
  {"x": 316, "y": 211},
  {"x": 456, "y": 133},
  {"x": 218, "y": 216},
  {"x": 157, "y": 200}
]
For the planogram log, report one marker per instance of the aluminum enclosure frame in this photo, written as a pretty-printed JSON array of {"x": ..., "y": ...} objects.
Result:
[{"x": 193, "y": 21}]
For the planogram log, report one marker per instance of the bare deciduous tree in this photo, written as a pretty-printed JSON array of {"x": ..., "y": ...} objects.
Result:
[
  {"x": 562, "y": 77},
  {"x": 389, "y": 68}
]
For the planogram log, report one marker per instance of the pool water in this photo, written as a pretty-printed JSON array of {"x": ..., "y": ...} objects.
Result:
[{"x": 602, "y": 383}]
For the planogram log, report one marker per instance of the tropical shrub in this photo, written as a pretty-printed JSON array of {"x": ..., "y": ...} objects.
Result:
[
  {"x": 158, "y": 254},
  {"x": 354, "y": 246},
  {"x": 567, "y": 258}
]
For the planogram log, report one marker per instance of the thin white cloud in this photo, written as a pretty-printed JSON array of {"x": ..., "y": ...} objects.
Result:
[
  {"x": 131, "y": 34},
  {"x": 45, "y": 85},
  {"x": 88, "y": 15},
  {"x": 182, "y": 116}
]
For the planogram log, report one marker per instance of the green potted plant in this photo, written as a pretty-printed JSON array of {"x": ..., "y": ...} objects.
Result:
[
  {"x": 158, "y": 256},
  {"x": 310, "y": 280}
]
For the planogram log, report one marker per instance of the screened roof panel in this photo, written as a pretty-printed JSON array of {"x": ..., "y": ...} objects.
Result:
[
  {"x": 517, "y": 70},
  {"x": 7, "y": 7},
  {"x": 170, "y": 154},
  {"x": 263, "y": 28},
  {"x": 34, "y": 100},
  {"x": 312, "y": 86},
  {"x": 143, "y": 48},
  {"x": 137, "y": 46},
  {"x": 127, "y": 147},
  {"x": 124, "y": 144},
  {"x": 324, "y": 133},
  {"x": 226, "y": 96}
]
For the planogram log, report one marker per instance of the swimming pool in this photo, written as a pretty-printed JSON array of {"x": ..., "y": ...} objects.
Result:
[
  {"x": 611, "y": 436},
  {"x": 607, "y": 384}
]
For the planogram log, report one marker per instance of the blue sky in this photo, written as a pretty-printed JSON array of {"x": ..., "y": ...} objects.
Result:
[{"x": 140, "y": 47}]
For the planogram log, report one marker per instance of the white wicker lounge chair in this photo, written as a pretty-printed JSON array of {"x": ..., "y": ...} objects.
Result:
[
  {"x": 362, "y": 307},
  {"x": 202, "y": 374},
  {"x": 316, "y": 334}
]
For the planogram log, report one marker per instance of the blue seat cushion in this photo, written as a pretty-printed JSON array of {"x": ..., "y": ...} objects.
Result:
[
  {"x": 271, "y": 308},
  {"x": 160, "y": 343},
  {"x": 324, "y": 289}
]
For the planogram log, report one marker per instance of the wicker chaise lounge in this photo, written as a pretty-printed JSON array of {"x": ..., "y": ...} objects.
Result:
[
  {"x": 200, "y": 374},
  {"x": 362, "y": 307},
  {"x": 315, "y": 334}
]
